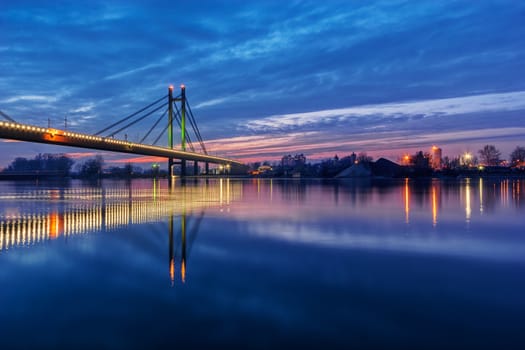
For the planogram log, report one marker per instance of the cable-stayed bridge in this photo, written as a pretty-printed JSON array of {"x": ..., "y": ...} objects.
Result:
[{"x": 176, "y": 108}]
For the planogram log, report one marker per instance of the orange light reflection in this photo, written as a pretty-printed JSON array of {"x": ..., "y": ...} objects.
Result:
[
  {"x": 172, "y": 271},
  {"x": 407, "y": 202},
  {"x": 434, "y": 206},
  {"x": 183, "y": 271}
]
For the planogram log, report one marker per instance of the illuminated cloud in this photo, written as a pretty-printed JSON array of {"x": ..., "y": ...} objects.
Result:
[
  {"x": 80, "y": 155},
  {"x": 390, "y": 144},
  {"x": 140, "y": 159},
  {"x": 428, "y": 108},
  {"x": 9, "y": 141}
]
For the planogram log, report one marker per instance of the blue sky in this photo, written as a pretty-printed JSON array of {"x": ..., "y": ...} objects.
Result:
[{"x": 274, "y": 77}]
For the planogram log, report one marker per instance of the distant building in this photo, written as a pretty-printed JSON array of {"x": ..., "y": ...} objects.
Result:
[
  {"x": 436, "y": 160},
  {"x": 264, "y": 169}
]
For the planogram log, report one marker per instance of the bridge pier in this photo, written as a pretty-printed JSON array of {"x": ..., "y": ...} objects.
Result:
[
  {"x": 195, "y": 168},
  {"x": 207, "y": 171},
  {"x": 183, "y": 128},
  {"x": 183, "y": 168}
]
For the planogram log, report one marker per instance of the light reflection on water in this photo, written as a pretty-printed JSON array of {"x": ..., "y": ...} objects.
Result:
[{"x": 254, "y": 261}]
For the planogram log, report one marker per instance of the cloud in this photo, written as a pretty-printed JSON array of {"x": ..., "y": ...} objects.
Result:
[
  {"x": 85, "y": 108},
  {"x": 325, "y": 143},
  {"x": 213, "y": 102},
  {"x": 134, "y": 71},
  {"x": 30, "y": 98},
  {"x": 79, "y": 155},
  {"x": 142, "y": 159},
  {"x": 428, "y": 108}
]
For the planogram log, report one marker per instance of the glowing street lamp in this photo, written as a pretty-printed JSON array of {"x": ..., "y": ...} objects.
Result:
[{"x": 467, "y": 159}]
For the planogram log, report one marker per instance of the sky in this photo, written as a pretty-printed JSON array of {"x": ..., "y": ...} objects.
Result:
[{"x": 269, "y": 78}]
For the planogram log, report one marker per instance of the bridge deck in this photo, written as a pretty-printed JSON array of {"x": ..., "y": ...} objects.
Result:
[{"x": 30, "y": 133}]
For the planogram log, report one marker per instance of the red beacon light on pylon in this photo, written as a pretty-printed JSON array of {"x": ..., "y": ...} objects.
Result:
[
  {"x": 182, "y": 86},
  {"x": 171, "y": 87}
]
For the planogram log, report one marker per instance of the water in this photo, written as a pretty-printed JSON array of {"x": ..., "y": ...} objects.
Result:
[{"x": 263, "y": 263}]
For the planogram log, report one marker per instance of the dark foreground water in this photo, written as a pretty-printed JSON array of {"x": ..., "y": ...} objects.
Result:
[{"x": 263, "y": 264}]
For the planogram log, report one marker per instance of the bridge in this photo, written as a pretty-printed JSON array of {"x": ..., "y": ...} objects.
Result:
[{"x": 10, "y": 129}]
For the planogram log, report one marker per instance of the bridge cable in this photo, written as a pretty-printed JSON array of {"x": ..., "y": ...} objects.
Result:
[
  {"x": 177, "y": 119},
  {"x": 193, "y": 125},
  {"x": 130, "y": 116},
  {"x": 8, "y": 117},
  {"x": 160, "y": 135},
  {"x": 154, "y": 126},
  {"x": 164, "y": 130},
  {"x": 188, "y": 138},
  {"x": 138, "y": 120},
  {"x": 194, "y": 122},
  {"x": 196, "y": 129}
]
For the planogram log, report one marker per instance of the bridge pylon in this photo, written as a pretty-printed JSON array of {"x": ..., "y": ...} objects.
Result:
[
  {"x": 182, "y": 100},
  {"x": 170, "y": 130}
]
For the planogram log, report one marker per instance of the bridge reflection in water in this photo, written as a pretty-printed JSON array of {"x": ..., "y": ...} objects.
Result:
[{"x": 69, "y": 212}]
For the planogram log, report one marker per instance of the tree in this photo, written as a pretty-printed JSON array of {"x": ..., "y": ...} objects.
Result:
[
  {"x": 128, "y": 169},
  {"x": 490, "y": 155},
  {"x": 92, "y": 167},
  {"x": 20, "y": 164},
  {"x": 517, "y": 157},
  {"x": 363, "y": 158},
  {"x": 421, "y": 160},
  {"x": 57, "y": 163}
]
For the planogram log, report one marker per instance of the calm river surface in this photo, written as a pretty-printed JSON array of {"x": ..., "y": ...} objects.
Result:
[{"x": 228, "y": 263}]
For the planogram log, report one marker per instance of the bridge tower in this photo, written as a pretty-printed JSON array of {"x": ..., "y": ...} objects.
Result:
[
  {"x": 182, "y": 100},
  {"x": 170, "y": 130}
]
